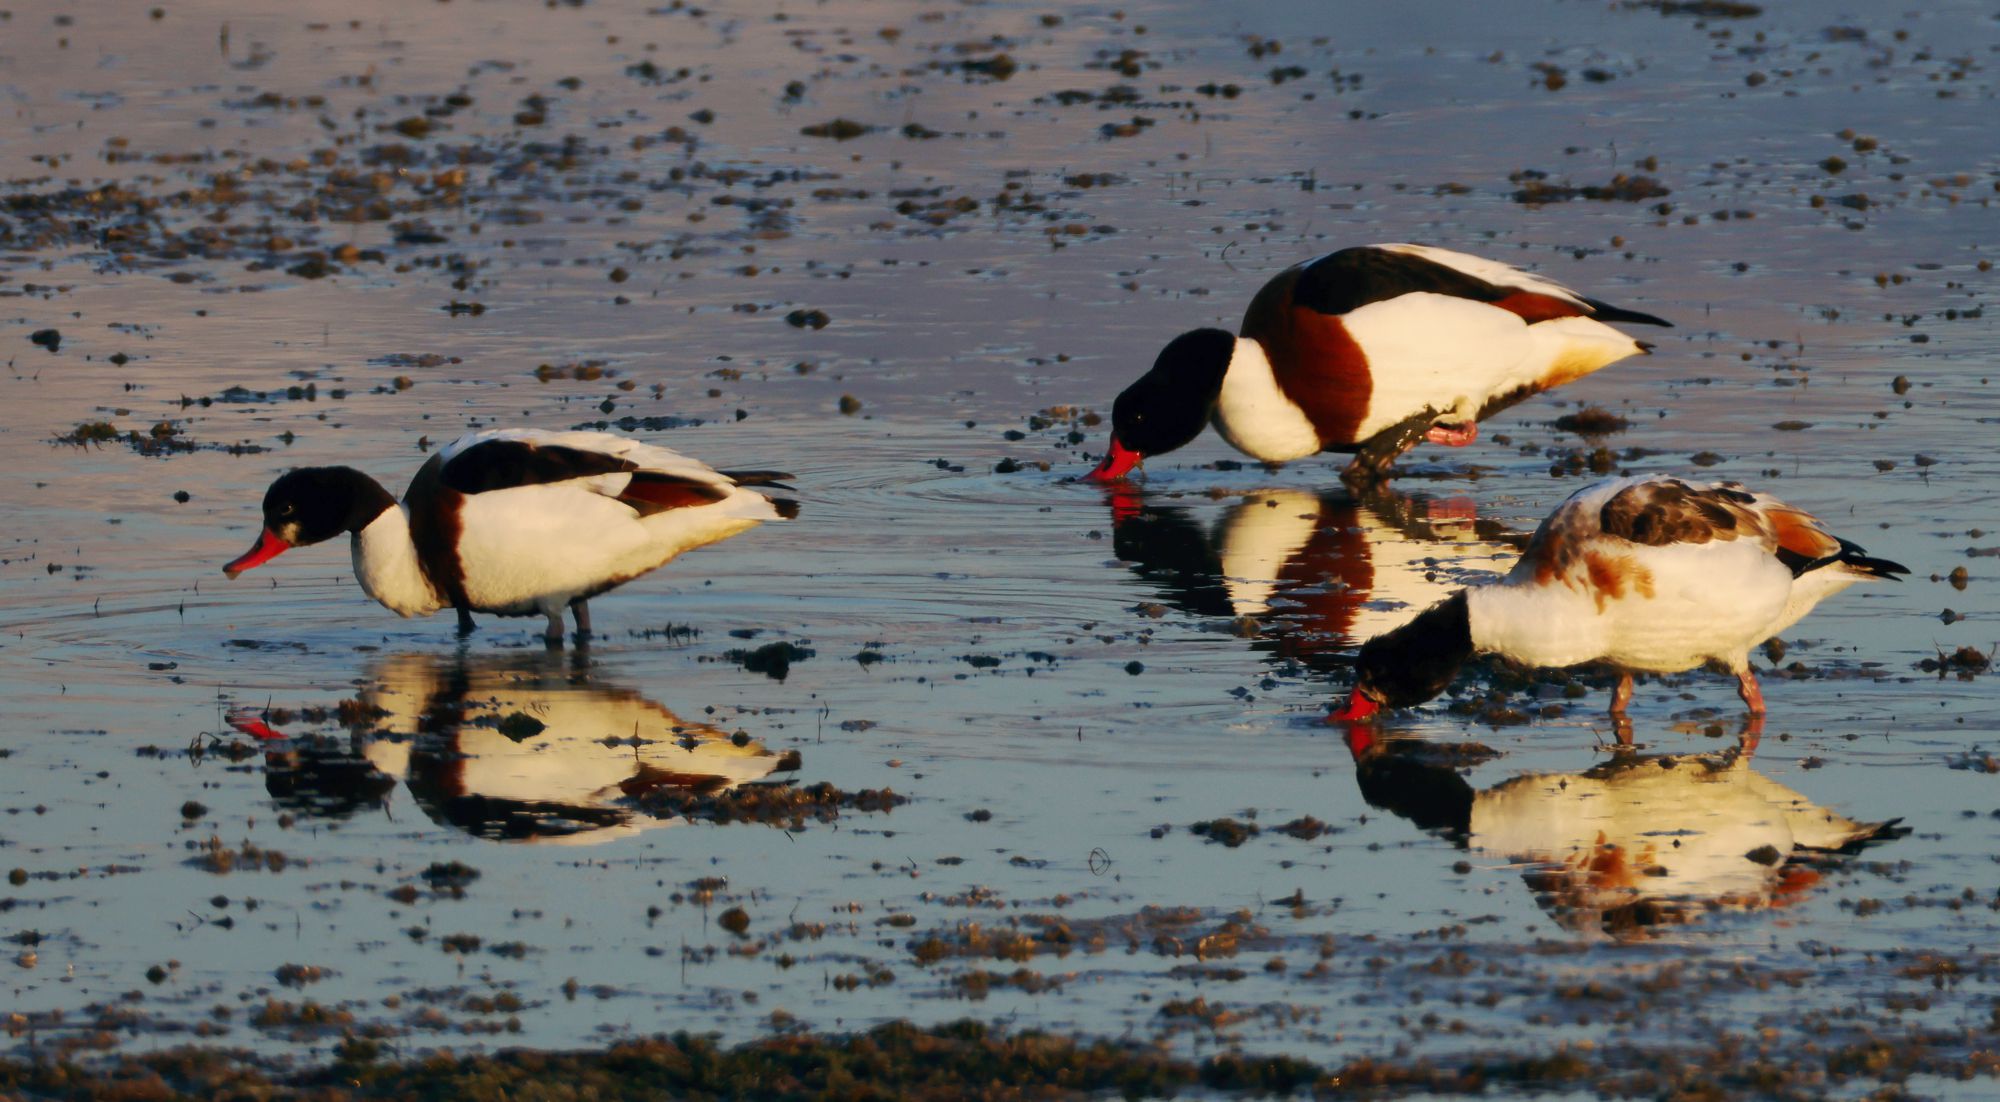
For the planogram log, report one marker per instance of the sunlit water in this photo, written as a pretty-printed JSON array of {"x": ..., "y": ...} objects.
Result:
[{"x": 1061, "y": 680}]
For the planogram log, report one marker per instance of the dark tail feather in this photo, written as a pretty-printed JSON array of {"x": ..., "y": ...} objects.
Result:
[
  {"x": 786, "y": 507},
  {"x": 1604, "y": 311},
  {"x": 1879, "y": 832},
  {"x": 1859, "y": 561},
  {"x": 758, "y": 478},
  {"x": 1875, "y": 568}
]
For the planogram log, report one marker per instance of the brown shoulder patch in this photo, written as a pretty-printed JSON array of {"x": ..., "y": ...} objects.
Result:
[
  {"x": 1555, "y": 546},
  {"x": 1800, "y": 534},
  {"x": 435, "y": 524},
  {"x": 1316, "y": 363},
  {"x": 652, "y": 492},
  {"x": 1611, "y": 577},
  {"x": 1660, "y": 513},
  {"x": 1534, "y": 307}
]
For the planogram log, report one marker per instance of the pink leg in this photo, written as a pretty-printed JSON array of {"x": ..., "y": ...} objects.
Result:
[
  {"x": 1753, "y": 731},
  {"x": 1746, "y": 687},
  {"x": 1453, "y": 436},
  {"x": 1621, "y": 695}
]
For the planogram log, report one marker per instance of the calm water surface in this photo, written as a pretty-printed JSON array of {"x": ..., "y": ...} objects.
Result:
[{"x": 274, "y": 235}]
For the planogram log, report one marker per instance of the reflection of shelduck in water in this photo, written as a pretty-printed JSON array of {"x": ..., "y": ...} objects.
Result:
[
  {"x": 1368, "y": 350},
  {"x": 1630, "y": 846},
  {"x": 516, "y": 521},
  {"x": 1316, "y": 571},
  {"x": 527, "y": 750},
  {"x": 1650, "y": 574}
]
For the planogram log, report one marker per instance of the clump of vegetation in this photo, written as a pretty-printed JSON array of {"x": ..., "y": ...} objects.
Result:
[{"x": 781, "y": 804}]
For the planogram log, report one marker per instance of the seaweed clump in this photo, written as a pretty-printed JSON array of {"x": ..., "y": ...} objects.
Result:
[{"x": 783, "y": 804}]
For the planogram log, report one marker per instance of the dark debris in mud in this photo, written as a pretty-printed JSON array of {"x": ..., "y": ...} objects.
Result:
[
  {"x": 972, "y": 1060},
  {"x": 1966, "y": 663},
  {"x": 163, "y": 438},
  {"x": 773, "y": 660},
  {"x": 1534, "y": 189},
  {"x": 782, "y": 804}
]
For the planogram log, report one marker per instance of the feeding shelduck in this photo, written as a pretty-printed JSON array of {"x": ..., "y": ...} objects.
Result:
[
  {"x": 1649, "y": 573},
  {"x": 516, "y": 521},
  {"x": 1368, "y": 350}
]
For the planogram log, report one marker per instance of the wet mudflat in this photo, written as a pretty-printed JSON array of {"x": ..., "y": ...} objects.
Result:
[{"x": 969, "y": 740}]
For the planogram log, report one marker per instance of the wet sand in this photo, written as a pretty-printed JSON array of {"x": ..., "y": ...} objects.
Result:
[{"x": 1043, "y": 757}]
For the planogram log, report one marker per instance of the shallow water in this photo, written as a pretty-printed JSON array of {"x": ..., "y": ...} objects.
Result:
[{"x": 1058, "y": 678}]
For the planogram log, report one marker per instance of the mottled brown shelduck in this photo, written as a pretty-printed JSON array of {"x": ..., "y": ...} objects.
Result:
[
  {"x": 516, "y": 521},
  {"x": 1368, "y": 350},
  {"x": 1649, "y": 573}
]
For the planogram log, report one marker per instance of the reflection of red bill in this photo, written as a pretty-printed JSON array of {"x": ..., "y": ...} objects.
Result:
[
  {"x": 1358, "y": 708},
  {"x": 1125, "y": 506},
  {"x": 254, "y": 727},
  {"x": 269, "y": 547},
  {"x": 1119, "y": 460},
  {"x": 1360, "y": 740}
]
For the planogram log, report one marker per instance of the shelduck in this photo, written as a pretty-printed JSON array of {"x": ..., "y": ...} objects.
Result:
[
  {"x": 516, "y": 522},
  {"x": 1650, "y": 574},
  {"x": 1368, "y": 350}
]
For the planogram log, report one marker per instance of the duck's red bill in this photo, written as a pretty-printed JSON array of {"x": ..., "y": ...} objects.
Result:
[
  {"x": 1117, "y": 462},
  {"x": 254, "y": 727},
  {"x": 269, "y": 547},
  {"x": 1358, "y": 708}
]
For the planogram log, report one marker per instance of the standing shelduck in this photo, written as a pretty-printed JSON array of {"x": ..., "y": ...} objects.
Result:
[
  {"x": 1651, "y": 574},
  {"x": 1368, "y": 350},
  {"x": 516, "y": 522}
]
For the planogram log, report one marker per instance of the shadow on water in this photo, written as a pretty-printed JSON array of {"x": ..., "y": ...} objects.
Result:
[
  {"x": 1630, "y": 847},
  {"x": 530, "y": 747}
]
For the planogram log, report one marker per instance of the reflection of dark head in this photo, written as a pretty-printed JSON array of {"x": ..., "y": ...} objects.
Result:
[
  {"x": 1417, "y": 661},
  {"x": 325, "y": 778},
  {"x": 1404, "y": 779},
  {"x": 1169, "y": 548}
]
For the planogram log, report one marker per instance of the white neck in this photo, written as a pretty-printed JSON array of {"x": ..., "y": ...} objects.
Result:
[
  {"x": 385, "y": 562},
  {"x": 1540, "y": 626}
]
